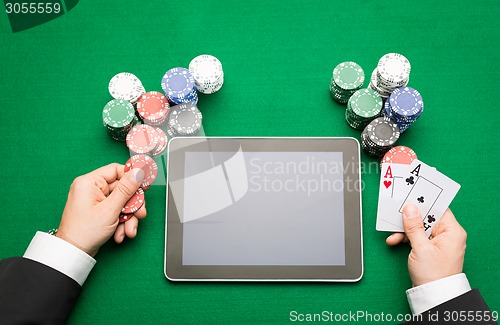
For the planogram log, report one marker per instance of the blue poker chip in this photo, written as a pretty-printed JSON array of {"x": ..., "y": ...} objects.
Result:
[
  {"x": 191, "y": 98},
  {"x": 387, "y": 109},
  {"x": 406, "y": 102},
  {"x": 178, "y": 85},
  {"x": 403, "y": 123}
]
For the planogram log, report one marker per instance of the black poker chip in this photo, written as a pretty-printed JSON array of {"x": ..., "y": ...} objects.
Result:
[{"x": 379, "y": 136}]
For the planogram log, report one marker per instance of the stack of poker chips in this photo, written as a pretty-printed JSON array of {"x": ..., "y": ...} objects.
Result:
[
  {"x": 171, "y": 114},
  {"x": 363, "y": 106},
  {"x": 150, "y": 169},
  {"x": 178, "y": 85},
  {"x": 399, "y": 155},
  {"x": 379, "y": 136},
  {"x": 153, "y": 108},
  {"x": 207, "y": 73},
  {"x": 132, "y": 205},
  {"x": 184, "y": 120},
  {"x": 404, "y": 106},
  {"x": 147, "y": 140},
  {"x": 118, "y": 116},
  {"x": 347, "y": 78},
  {"x": 127, "y": 86},
  {"x": 392, "y": 71},
  {"x": 148, "y": 166}
]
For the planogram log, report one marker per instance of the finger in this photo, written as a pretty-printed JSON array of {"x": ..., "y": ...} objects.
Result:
[
  {"x": 105, "y": 175},
  {"x": 413, "y": 226},
  {"x": 110, "y": 173},
  {"x": 131, "y": 227},
  {"x": 112, "y": 185},
  {"x": 395, "y": 239},
  {"x": 124, "y": 190},
  {"x": 102, "y": 184},
  {"x": 119, "y": 233},
  {"x": 142, "y": 212},
  {"x": 449, "y": 224},
  {"x": 447, "y": 220}
]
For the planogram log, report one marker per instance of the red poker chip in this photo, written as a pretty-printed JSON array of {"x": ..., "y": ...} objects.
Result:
[
  {"x": 153, "y": 107},
  {"x": 162, "y": 143},
  {"x": 155, "y": 122},
  {"x": 156, "y": 135},
  {"x": 135, "y": 202},
  {"x": 142, "y": 139},
  {"x": 148, "y": 166},
  {"x": 399, "y": 155},
  {"x": 125, "y": 217}
]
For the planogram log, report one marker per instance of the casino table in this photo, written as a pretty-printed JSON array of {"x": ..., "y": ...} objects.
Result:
[{"x": 278, "y": 58}]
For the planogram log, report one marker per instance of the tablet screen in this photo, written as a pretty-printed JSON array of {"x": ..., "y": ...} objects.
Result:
[
  {"x": 263, "y": 209},
  {"x": 283, "y": 208}
]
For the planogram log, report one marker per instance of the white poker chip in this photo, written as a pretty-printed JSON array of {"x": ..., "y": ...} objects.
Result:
[
  {"x": 392, "y": 72},
  {"x": 207, "y": 72},
  {"x": 127, "y": 86},
  {"x": 393, "y": 69}
]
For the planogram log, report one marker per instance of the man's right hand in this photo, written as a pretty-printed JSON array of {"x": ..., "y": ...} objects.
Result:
[
  {"x": 95, "y": 201},
  {"x": 435, "y": 258}
]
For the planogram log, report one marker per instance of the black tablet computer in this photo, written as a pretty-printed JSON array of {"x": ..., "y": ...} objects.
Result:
[{"x": 263, "y": 209}]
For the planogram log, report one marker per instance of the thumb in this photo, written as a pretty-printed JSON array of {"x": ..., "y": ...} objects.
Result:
[
  {"x": 126, "y": 188},
  {"x": 413, "y": 226}
]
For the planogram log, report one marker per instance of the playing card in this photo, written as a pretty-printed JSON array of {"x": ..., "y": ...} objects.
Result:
[
  {"x": 419, "y": 184},
  {"x": 390, "y": 194},
  {"x": 407, "y": 181},
  {"x": 383, "y": 225},
  {"x": 432, "y": 192},
  {"x": 424, "y": 194},
  {"x": 413, "y": 172}
]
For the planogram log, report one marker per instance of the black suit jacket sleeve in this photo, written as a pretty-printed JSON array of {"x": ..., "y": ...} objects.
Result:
[
  {"x": 33, "y": 293},
  {"x": 470, "y": 303}
]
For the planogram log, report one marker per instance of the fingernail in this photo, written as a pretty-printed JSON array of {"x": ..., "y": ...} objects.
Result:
[
  {"x": 410, "y": 211},
  {"x": 137, "y": 175},
  {"x": 135, "y": 231}
]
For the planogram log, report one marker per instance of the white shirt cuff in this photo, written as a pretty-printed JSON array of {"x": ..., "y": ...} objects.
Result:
[
  {"x": 61, "y": 256},
  {"x": 432, "y": 294}
]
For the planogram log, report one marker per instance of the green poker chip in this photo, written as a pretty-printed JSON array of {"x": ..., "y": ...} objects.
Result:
[
  {"x": 366, "y": 103},
  {"x": 118, "y": 113},
  {"x": 362, "y": 107},
  {"x": 118, "y": 117},
  {"x": 348, "y": 76}
]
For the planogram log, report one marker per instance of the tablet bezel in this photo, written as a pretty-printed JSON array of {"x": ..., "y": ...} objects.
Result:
[{"x": 352, "y": 271}]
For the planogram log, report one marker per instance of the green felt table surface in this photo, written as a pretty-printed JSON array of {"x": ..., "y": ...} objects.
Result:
[{"x": 278, "y": 57}]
